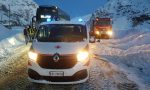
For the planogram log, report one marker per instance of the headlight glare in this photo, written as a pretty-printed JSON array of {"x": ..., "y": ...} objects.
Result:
[
  {"x": 110, "y": 33},
  {"x": 32, "y": 55},
  {"x": 97, "y": 32},
  {"x": 82, "y": 56}
]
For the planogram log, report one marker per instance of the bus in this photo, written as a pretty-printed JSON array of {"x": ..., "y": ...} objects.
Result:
[
  {"x": 49, "y": 13},
  {"x": 101, "y": 28}
]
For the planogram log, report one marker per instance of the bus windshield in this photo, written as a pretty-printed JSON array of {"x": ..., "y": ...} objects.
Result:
[
  {"x": 50, "y": 13},
  {"x": 61, "y": 33},
  {"x": 44, "y": 13}
]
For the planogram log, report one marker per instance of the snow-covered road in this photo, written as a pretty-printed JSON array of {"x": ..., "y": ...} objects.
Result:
[
  {"x": 12, "y": 68},
  {"x": 103, "y": 75},
  {"x": 116, "y": 64}
]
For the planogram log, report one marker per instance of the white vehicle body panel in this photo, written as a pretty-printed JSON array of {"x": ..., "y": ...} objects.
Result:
[{"x": 65, "y": 48}]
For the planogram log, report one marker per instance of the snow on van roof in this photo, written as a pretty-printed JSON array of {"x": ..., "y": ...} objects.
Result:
[{"x": 63, "y": 22}]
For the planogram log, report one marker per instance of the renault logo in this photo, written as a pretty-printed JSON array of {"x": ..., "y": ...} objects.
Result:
[{"x": 56, "y": 58}]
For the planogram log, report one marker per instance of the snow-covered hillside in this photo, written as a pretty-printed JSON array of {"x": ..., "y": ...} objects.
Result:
[
  {"x": 21, "y": 11},
  {"x": 126, "y": 14}
]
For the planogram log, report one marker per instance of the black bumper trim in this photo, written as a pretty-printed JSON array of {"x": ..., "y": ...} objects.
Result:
[{"x": 80, "y": 75}]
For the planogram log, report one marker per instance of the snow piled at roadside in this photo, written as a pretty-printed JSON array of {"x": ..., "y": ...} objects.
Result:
[
  {"x": 131, "y": 53},
  {"x": 9, "y": 40}
]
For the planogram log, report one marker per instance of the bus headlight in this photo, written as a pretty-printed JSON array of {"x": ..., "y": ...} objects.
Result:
[
  {"x": 42, "y": 16},
  {"x": 110, "y": 33},
  {"x": 82, "y": 56},
  {"x": 32, "y": 56}
]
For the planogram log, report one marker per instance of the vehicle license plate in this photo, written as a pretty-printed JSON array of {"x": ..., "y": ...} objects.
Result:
[{"x": 56, "y": 73}]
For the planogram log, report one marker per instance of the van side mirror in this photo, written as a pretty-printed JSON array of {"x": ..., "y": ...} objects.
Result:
[
  {"x": 35, "y": 40},
  {"x": 34, "y": 19}
]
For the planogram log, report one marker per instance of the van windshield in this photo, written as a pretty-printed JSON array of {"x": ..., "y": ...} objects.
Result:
[{"x": 61, "y": 33}]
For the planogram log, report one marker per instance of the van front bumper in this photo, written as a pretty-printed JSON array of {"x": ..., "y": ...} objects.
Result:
[
  {"x": 78, "y": 74},
  {"x": 78, "y": 77}
]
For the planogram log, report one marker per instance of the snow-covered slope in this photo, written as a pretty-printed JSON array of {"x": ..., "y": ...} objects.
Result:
[
  {"x": 21, "y": 11},
  {"x": 5, "y": 33},
  {"x": 131, "y": 54},
  {"x": 126, "y": 14},
  {"x": 3, "y": 29}
]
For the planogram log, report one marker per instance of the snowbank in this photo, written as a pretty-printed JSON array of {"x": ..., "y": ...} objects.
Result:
[
  {"x": 9, "y": 40},
  {"x": 132, "y": 54}
]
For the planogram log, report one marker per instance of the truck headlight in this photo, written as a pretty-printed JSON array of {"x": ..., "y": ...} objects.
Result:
[
  {"x": 110, "y": 33},
  {"x": 32, "y": 56},
  {"x": 82, "y": 56},
  {"x": 97, "y": 32}
]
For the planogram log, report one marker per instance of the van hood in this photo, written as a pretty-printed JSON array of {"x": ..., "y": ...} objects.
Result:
[{"x": 60, "y": 48}]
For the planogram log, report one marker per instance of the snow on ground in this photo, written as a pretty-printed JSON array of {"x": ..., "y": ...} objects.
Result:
[
  {"x": 100, "y": 73},
  {"x": 131, "y": 53},
  {"x": 9, "y": 40}
]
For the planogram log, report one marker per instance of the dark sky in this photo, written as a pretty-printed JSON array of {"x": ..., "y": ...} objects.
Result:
[{"x": 75, "y": 8}]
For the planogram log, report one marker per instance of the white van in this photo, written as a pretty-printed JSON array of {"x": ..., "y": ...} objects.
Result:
[{"x": 59, "y": 53}]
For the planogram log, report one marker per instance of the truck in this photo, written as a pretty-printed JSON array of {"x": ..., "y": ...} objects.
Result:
[{"x": 101, "y": 28}]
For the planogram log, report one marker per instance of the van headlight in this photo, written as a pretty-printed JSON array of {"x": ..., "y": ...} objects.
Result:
[
  {"x": 82, "y": 56},
  {"x": 32, "y": 56},
  {"x": 110, "y": 33}
]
